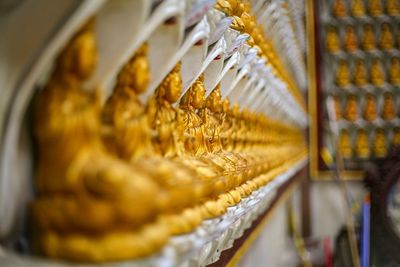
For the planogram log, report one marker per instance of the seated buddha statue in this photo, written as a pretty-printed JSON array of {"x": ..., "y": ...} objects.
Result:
[
  {"x": 379, "y": 143},
  {"x": 181, "y": 143},
  {"x": 127, "y": 133},
  {"x": 193, "y": 127},
  {"x": 350, "y": 39},
  {"x": 351, "y": 111},
  {"x": 332, "y": 40},
  {"x": 357, "y": 8},
  {"x": 370, "y": 112},
  {"x": 388, "y": 109},
  {"x": 368, "y": 40},
  {"x": 345, "y": 149},
  {"x": 392, "y": 7},
  {"x": 394, "y": 71},
  {"x": 163, "y": 117},
  {"x": 342, "y": 78},
  {"x": 210, "y": 113},
  {"x": 386, "y": 38},
  {"x": 87, "y": 199},
  {"x": 375, "y": 7},
  {"x": 339, "y": 8},
  {"x": 362, "y": 144},
  {"x": 360, "y": 73},
  {"x": 377, "y": 75},
  {"x": 396, "y": 137}
]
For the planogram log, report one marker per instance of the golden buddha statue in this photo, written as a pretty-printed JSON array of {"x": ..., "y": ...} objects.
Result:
[
  {"x": 394, "y": 71},
  {"x": 127, "y": 132},
  {"x": 345, "y": 149},
  {"x": 370, "y": 112},
  {"x": 362, "y": 144},
  {"x": 388, "y": 109},
  {"x": 386, "y": 38},
  {"x": 125, "y": 126},
  {"x": 91, "y": 200},
  {"x": 193, "y": 127},
  {"x": 392, "y": 7},
  {"x": 350, "y": 39},
  {"x": 163, "y": 117},
  {"x": 339, "y": 8},
  {"x": 351, "y": 111},
  {"x": 332, "y": 40},
  {"x": 396, "y": 137},
  {"x": 342, "y": 78},
  {"x": 357, "y": 8},
  {"x": 368, "y": 40},
  {"x": 379, "y": 143},
  {"x": 360, "y": 73},
  {"x": 377, "y": 75},
  {"x": 375, "y": 7}
]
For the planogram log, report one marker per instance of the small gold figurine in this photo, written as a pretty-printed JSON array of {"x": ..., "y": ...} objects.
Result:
[
  {"x": 339, "y": 8},
  {"x": 379, "y": 143},
  {"x": 360, "y": 73},
  {"x": 375, "y": 7},
  {"x": 332, "y": 40},
  {"x": 163, "y": 117},
  {"x": 362, "y": 144},
  {"x": 350, "y": 39},
  {"x": 357, "y": 8},
  {"x": 351, "y": 108},
  {"x": 342, "y": 74},
  {"x": 368, "y": 40},
  {"x": 396, "y": 137},
  {"x": 388, "y": 109},
  {"x": 386, "y": 38},
  {"x": 377, "y": 75},
  {"x": 345, "y": 149},
  {"x": 394, "y": 71},
  {"x": 392, "y": 7},
  {"x": 370, "y": 112}
]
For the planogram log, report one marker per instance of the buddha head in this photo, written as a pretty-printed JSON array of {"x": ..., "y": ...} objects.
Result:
[
  {"x": 172, "y": 85},
  {"x": 198, "y": 93},
  {"x": 226, "y": 105},
  {"x": 385, "y": 28},
  {"x": 136, "y": 74},
  {"x": 141, "y": 70},
  {"x": 368, "y": 28},
  {"x": 214, "y": 102},
  {"x": 79, "y": 57}
]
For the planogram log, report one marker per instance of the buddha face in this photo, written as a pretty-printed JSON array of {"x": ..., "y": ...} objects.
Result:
[
  {"x": 198, "y": 95},
  {"x": 385, "y": 27},
  {"x": 349, "y": 29},
  {"x": 141, "y": 77},
  {"x": 214, "y": 101},
  {"x": 368, "y": 28},
  {"x": 225, "y": 105},
  {"x": 173, "y": 88}
]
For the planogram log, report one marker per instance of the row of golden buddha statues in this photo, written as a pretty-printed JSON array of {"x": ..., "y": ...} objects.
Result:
[
  {"x": 360, "y": 8},
  {"x": 353, "y": 108},
  {"x": 365, "y": 37},
  {"x": 375, "y": 73},
  {"x": 114, "y": 181},
  {"x": 365, "y": 144}
]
